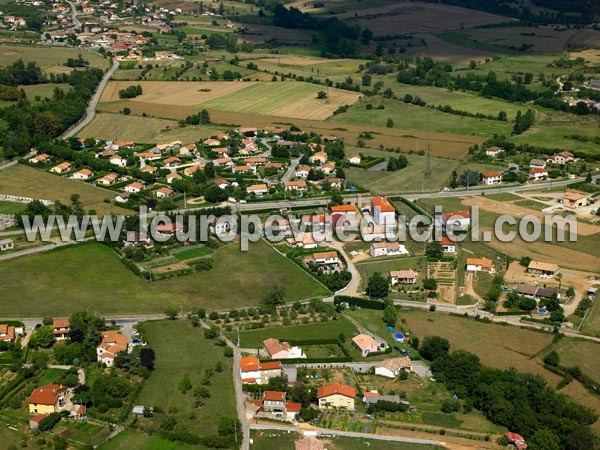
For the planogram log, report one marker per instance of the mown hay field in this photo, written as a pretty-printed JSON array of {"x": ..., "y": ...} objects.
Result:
[
  {"x": 50, "y": 59},
  {"x": 288, "y": 99}
]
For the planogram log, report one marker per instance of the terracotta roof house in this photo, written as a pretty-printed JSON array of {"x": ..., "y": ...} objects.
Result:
[
  {"x": 47, "y": 399},
  {"x": 164, "y": 192},
  {"x": 112, "y": 343},
  {"x": 365, "y": 344},
  {"x": 281, "y": 350},
  {"x": 172, "y": 176},
  {"x": 171, "y": 161},
  {"x": 542, "y": 268},
  {"x": 403, "y": 277},
  {"x": 108, "y": 179},
  {"x": 336, "y": 395},
  {"x": 299, "y": 185},
  {"x": 61, "y": 329},
  {"x": 62, "y": 167},
  {"x": 7, "y": 332},
  {"x": 82, "y": 174},
  {"x": 392, "y": 367},
  {"x": 480, "y": 265},
  {"x": 253, "y": 371}
]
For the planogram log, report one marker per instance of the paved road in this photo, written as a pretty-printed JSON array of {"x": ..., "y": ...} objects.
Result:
[
  {"x": 327, "y": 432},
  {"x": 76, "y": 23},
  {"x": 90, "y": 111},
  {"x": 289, "y": 173}
]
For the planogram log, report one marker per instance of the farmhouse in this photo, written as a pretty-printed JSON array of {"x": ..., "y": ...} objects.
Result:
[
  {"x": 134, "y": 187},
  {"x": 494, "y": 151},
  {"x": 258, "y": 189},
  {"x": 7, "y": 332},
  {"x": 387, "y": 249},
  {"x": 123, "y": 197},
  {"x": 107, "y": 180},
  {"x": 6, "y": 244},
  {"x": 62, "y": 167},
  {"x": 112, "y": 343},
  {"x": 537, "y": 163},
  {"x": 83, "y": 174},
  {"x": 281, "y": 350},
  {"x": 402, "y": 277},
  {"x": 479, "y": 265},
  {"x": 172, "y": 176},
  {"x": 542, "y": 268},
  {"x": 538, "y": 173},
  {"x": 326, "y": 261},
  {"x": 163, "y": 192},
  {"x": 336, "y": 395},
  {"x": 43, "y": 158},
  {"x": 383, "y": 211},
  {"x": 448, "y": 245},
  {"x": 365, "y": 344},
  {"x": 392, "y": 367},
  {"x": 47, "y": 399},
  {"x": 252, "y": 371},
  {"x": 299, "y": 185},
  {"x": 354, "y": 159},
  {"x": 574, "y": 200},
  {"x": 490, "y": 178},
  {"x": 561, "y": 158},
  {"x": 458, "y": 220},
  {"x": 60, "y": 328},
  {"x": 536, "y": 292}
]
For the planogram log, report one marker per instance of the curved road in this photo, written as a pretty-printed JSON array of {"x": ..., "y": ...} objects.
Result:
[{"x": 90, "y": 111}]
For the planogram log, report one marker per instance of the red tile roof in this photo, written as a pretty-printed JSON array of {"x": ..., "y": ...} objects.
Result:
[
  {"x": 336, "y": 388},
  {"x": 46, "y": 395},
  {"x": 383, "y": 204},
  {"x": 274, "y": 396}
]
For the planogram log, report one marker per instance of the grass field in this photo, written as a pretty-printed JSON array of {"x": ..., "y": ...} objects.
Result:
[
  {"x": 579, "y": 352},
  {"x": 35, "y": 183},
  {"x": 50, "y": 59},
  {"x": 288, "y": 99},
  {"x": 592, "y": 321},
  {"x": 11, "y": 207},
  {"x": 143, "y": 129},
  {"x": 108, "y": 287},
  {"x": 327, "y": 330},
  {"x": 419, "y": 118},
  {"x": 182, "y": 350}
]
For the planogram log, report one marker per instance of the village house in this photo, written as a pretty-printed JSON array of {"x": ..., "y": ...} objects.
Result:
[
  {"x": 6, "y": 244},
  {"x": 223, "y": 162},
  {"x": 542, "y": 268},
  {"x": 252, "y": 371},
  {"x": 258, "y": 189},
  {"x": 148, "y": 169},
  {"x": 163, "y": 192},
  {"x": 61, "y": 329},
  {"x": 391, "y": 368},
  {"x": 83, "y": 174},
  {"x": 383, "y": 211},
  {"x": 62, "y": 168},
  {"x": 276, "y": 349},
  {"x": 490, "y": 178},
  {"x": 108, "y": 179},
  {"x": 124, "y": 144},
  {"x": 169, "y": 229},
  {"x": 255, "y": 161},
  {"x": 171, "y": 161},
  {"x": 241, "y": 169},
  {"x": 387, "y": 249},
  {"x": 7, "y": 332},
  {"x": 274, "y": 165},
  {"x": 336, "y": 395},
  {"x": 538, "y": 173},
  {"x": 134, "y": 187},
  {"x": 147, "y": 156},
  {"x": 187, "y": 150},
  {"x": 342, "y": 213},
  {"x": 402, "y": 277},
  {"x": 333, "y": 182},
  {"x": 539, "y": 163},
  {"x": 136, "y": 239},
  {"x": 365, "y": 344},
  {"x": 189, "y": 171},
  {"x": 221, "y": 183},
  {"x": 536, "y": 292},
  {"x": 328, "y": 168},
  {"x": 274, "y": 402},
  {"x": 448, "y": 245},
  {"x": 299, "y": 185},
  {"x": 302, "y": 172},
  {"x": 223, "y": 152},
  {"x": 562, "y": 158},
  {"x": 494, "y": 151},
  {"x": 47, "y": 399},
  {"x": 122, "y": 197},
  {"x": 40, "y": 159},
  {"x": 118, "y": 161},
  {"x": 354, "y": 159},
  {"x": 318, "y": 158},
  {"x": 304, "y": 240},
  {"x": 458, "y": 220},
  {"x": 112, "y": 343},
  {"x": 172, "y": 176},
  {"x": 480, "y": 265},
  {"x": 574, "y": 200},
  {"x": 326, "y": 261},
  {"x": 211, "y": 142},
  {"x": 170, "y": 146},
  {"x": 222, "y": 225}
]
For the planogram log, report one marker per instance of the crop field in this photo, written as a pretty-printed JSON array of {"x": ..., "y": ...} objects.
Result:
[
  {"x": 181, "y": 350},
  {"x": 309, "y": 66},
  {"x": 289, "y": 99},
  {"x": 50, "y": 59},
  {"x": 419, "y": 118},
  {"x": 409, "y": 179},
  {"x": 327, "y": 330},
  {"x": 35, "y": 183},
  {"x": 442, "y": 50},
  {"x": 143, "y": 129},
  {"x": 108, "y": 287}
]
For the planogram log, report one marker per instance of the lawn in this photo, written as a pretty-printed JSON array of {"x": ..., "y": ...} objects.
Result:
[
  {"x": 67, "y": 282},
  {"x": 414, "y": 117},
  {"x": 139, "y": 441},
  {"x": 48, "y": 58},
  {"x": 143, "y": 129},
  {"x": 384, "y": 266},
  {"x": 181, "y": 350},
  {"x": 326, "y": 330},
  {"x": 36, "y": 183},
  {"x": 11, "y": 207}
]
